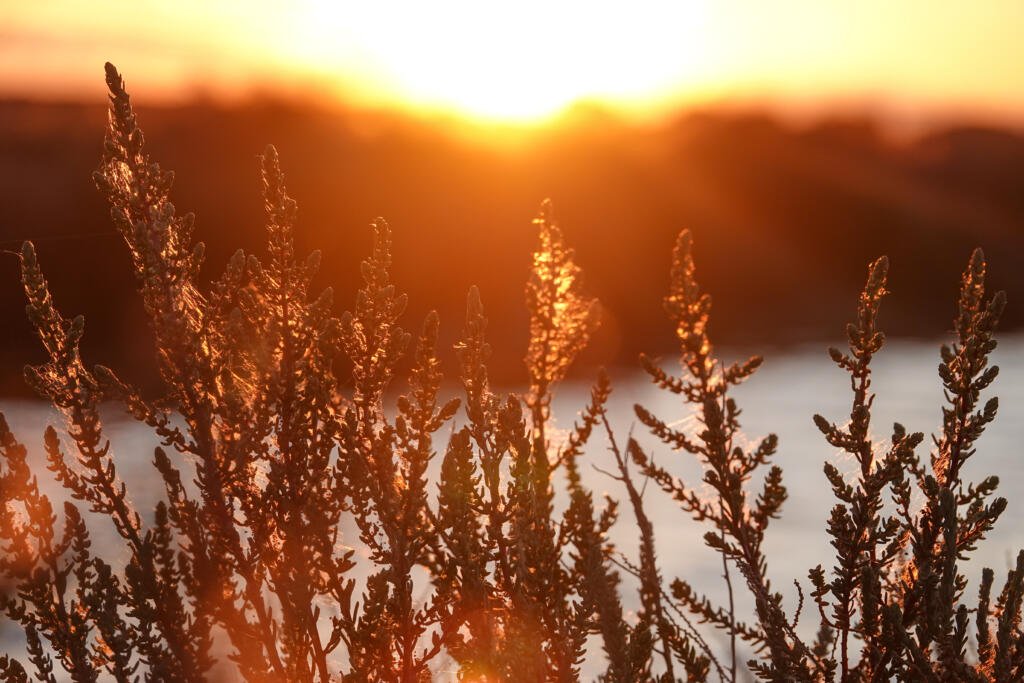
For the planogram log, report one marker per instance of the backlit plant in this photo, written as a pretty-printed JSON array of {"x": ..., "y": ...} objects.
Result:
[{"x": 321, "y": 524}]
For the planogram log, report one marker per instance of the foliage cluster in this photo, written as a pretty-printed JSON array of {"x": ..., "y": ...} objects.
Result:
[{"x": 273, "y": 460}]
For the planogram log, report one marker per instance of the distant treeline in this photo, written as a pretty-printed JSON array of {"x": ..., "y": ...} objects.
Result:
[{"x": 784, "y": 218}]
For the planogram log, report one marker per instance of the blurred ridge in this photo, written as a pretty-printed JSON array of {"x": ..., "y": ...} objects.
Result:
[{"x": 784, "y": 217}]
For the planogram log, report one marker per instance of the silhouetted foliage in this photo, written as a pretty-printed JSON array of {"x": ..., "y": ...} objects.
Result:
[{"x": 271, "y": 457}]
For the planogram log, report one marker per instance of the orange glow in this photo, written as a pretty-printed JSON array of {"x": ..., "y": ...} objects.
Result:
[
  {"x": 525, "y": 61},
  {"x": 528, "y": 60}
]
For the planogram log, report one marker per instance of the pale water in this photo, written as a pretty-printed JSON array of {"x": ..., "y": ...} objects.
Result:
[{"x": 781, "y": 398}]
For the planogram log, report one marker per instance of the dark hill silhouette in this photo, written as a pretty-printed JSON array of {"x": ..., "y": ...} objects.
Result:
[{"x": 784, "y": 218}]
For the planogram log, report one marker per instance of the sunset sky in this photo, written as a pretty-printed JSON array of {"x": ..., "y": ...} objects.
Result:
[{"x": 528, "y": 60}]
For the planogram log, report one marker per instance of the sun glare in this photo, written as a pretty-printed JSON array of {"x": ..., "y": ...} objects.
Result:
[{"x": 524, "y": 62}]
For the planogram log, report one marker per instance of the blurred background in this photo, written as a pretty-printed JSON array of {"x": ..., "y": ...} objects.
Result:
[{"x": 796, "y": 139}]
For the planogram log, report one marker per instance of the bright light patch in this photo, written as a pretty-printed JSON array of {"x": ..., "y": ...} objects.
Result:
[
  {"x": 524, "y": 61},
  {"x": 502, "y": 61}
]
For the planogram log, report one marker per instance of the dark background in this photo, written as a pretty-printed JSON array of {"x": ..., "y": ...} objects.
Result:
[{"x": 785, "y": 218}]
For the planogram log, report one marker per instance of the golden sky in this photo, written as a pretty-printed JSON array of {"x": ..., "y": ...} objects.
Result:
[{"x": 530, "y": 59}]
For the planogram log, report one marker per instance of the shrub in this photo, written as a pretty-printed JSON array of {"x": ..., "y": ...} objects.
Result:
[{"x": 268, "y": 451}]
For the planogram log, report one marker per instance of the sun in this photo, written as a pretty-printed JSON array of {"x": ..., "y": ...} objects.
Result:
[{"x": 522, "y": 61}]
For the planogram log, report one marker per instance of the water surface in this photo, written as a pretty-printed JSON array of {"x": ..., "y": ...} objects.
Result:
[{"x": 780, "y": 398}]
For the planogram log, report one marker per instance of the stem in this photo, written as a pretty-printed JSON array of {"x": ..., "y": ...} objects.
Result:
[
  {"x": 732, "y": 615},
  {"x": 649, "y": 577}
]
